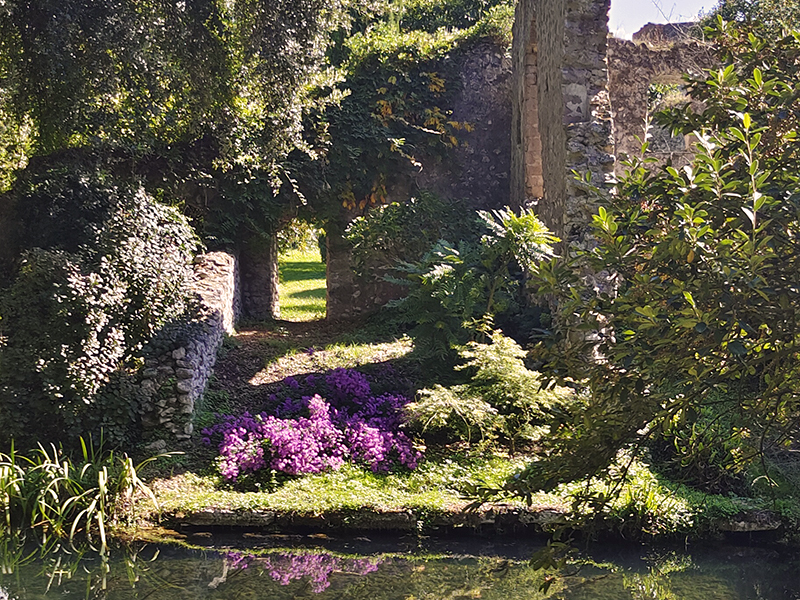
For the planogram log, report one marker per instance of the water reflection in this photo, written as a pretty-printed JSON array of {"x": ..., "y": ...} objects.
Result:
[
  {"x": 379, "y": 570},
  {"x": 286, "y": 567}
]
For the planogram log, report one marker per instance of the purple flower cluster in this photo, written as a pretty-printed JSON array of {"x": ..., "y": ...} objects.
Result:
[
  {"x": 355, "y": 425},
  {"x": 294, "y": 446},
  {"x": 316, "y": 568},
  {"x": 347, "y": 385}
]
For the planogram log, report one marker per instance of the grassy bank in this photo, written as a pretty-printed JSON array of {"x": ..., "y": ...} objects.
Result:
[{"x": 257, "y": 362}]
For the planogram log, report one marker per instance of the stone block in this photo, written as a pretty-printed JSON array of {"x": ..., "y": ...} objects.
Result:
[
  {"x": 149, "y": 420},
  {"x": 184, "y": 373},
  {"x": 156, "y": 446}
]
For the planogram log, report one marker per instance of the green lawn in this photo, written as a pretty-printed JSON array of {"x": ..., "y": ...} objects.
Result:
[{"x": 302, "y": 285}]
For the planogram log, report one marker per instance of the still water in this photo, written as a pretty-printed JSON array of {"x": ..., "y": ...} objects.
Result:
[{"x": 306, "y": 567}]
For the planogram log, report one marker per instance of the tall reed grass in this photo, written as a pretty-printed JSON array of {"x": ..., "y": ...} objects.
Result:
[{"x": 49, "y": 495}]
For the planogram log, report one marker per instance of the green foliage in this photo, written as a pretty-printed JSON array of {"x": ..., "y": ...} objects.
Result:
[
  {"x": 201, "y": 100},
  {"x": 87, "y": 293},
  {"x": 770, "y": 16},
  {"x": 702, "y": 301},
  {"x": 501, "y": 399},
  {"x": 713, "y": 451},
  {"x": 15, "y": 145},
  {"x": 404, "y": 232},
  {"x": 449, "y": 409},
  {"x": 453, "y": 289},
  {"x": 430, "y": 16},
  {"x": 54, "y": 496},
  {"x": 643, "y": 506},
  {"x": 298, "y": 235},
  {"x": 143, "y": 72}
]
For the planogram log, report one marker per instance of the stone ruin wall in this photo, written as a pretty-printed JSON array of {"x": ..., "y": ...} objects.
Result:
[
  {"x": 477, "y": 172},
  {"x": 561, "y": 110},
  {"x": 570, "y": 100},
  {"x": 180, "y": 359},
  {"x": 580, "y": 99},
  {"x": 258, "y": 264},
  {"x": 632, "y": 68}
]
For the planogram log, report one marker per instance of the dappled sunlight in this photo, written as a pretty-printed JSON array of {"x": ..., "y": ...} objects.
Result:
[{"x": 313, "y": 360}]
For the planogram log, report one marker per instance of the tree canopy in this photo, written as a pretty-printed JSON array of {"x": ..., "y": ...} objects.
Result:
[
  {"x": 181, "y": 93},
  {"x": 772, "y": 16}
]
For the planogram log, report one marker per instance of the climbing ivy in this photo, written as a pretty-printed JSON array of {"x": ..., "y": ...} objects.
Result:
[
  {"x": 399, "y": 80},
  {"x": 106, "y": 268}
]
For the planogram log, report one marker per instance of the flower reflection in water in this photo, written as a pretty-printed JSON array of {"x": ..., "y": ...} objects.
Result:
[{"x": 314, "y": 568}]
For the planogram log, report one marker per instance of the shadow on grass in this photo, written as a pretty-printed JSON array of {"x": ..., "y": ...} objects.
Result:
[
  {"x": 301, "y": 271},
  {"x": 315, "y": 293}
]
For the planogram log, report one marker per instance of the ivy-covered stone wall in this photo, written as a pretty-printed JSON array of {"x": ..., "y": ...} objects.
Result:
[
  {"x": 476, "y": 171},
  {"x": 179, "y": 361}
]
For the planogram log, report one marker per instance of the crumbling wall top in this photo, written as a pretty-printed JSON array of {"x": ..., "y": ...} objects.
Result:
[{"x": 632, "y": 68}]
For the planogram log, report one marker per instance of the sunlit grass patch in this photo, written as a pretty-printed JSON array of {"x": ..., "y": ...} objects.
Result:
[
  {"x": 437, "y": 485},
  {"x": 302, "y": 285},
  {"x": 300, "y": 361}
]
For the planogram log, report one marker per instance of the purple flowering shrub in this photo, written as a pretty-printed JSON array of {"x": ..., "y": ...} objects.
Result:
[
  {"x": 314, "y": 568},
  {"x": 309, "y": 434}
]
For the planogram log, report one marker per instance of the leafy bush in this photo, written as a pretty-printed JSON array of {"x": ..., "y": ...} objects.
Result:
[
  {"x": 642, "y": 506},
  {"x": 454, "y": 288},
  {"x": 450, "y": 14},
  {"x": 712, "y": 452},
  {"x": 83, "y": 301},
  {"x": 351, "y": 424},
  {"x": 704, "y": 296},
  {"x": 772, "y": 17},
  {"x": 502, "y": 398},
  {"x": 404, "y": 232}
]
